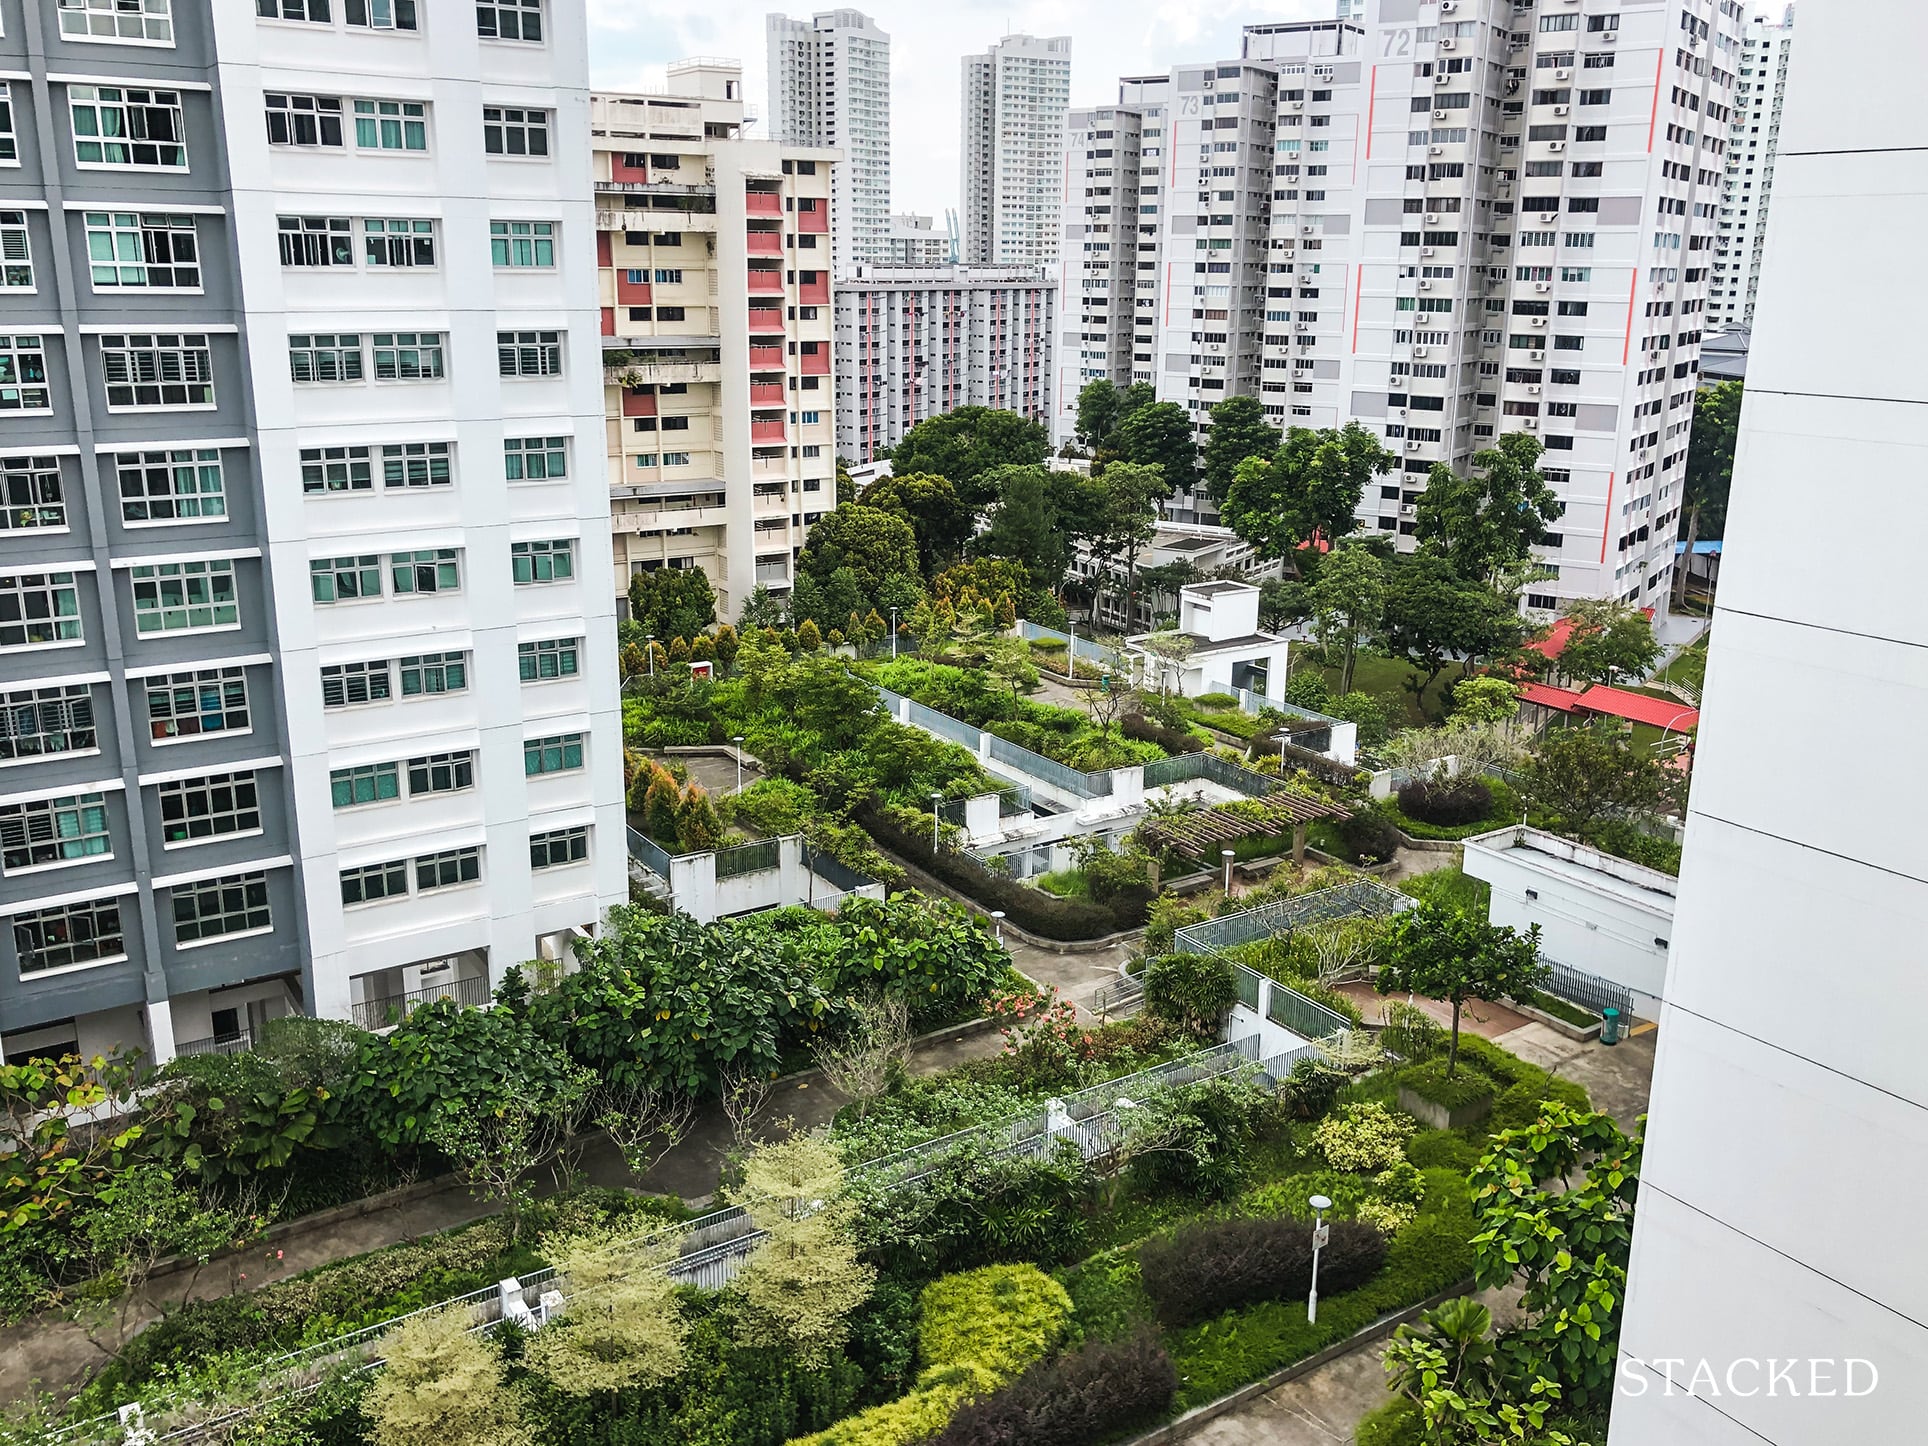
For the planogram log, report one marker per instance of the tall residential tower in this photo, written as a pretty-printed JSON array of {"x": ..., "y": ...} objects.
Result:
[
  {"x": 1765, "y": 49},
  {"x": 1012, "y": 176},
  {"x": 830, "y": 88}
]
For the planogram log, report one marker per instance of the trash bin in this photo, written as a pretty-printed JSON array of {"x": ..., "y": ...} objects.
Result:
[{"x": 1609, "y": 1026}]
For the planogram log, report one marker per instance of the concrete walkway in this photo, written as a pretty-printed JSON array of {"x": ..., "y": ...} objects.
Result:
[{"x": 1079, "y": 976}]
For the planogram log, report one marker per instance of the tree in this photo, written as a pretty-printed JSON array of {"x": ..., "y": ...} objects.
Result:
[
  {"x": 1024, "y": 527},
  {"x": 1239, "y": 430},
  {"x": 497, "y": 1143},
  {"x": 800, "y": 1286},
  {"x": 47, "y": 1167},
  {"x": 644, "y": 1121},
  {"x": 1310, "y": 487},
  {"x": 1099, "y": 406},
  {"x": 1710, "y": 460},
  {"x": 760, "y": 610},
  {"x": 1607, "y": 640},
  {"x": 622, "y": 1327},
  {"x": 929, "y": 503},
  {"x": 872, "y": 1052},
  {"x": 1443, "y": 952},
  {"x": 1127, "y": 520},
  {"x": 672, "y": 602},
  {"x": 1583, "y": 774},
  {"x": 440, "y": 1383},
  {"x": 872, "y": 543},
  {"x": 1435, "y": 616},
  {"x": 1160, "y": 436},
  {"x": 1168, "y": 652},
  {"x": 1490, "y": 520},
  {"x": 1281, "y": 603},
  {"x": 1462, "y": 1387},
  {"x": 1348, "y": 603},
  {"x": 966, "y": 443},
  {"x": 1485, "y": 699}
]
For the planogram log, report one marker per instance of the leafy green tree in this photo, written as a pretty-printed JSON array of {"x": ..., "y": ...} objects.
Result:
[
  {"x": 761, "y": 609},
  {"x": 232, "y": 1116},
  {"x": 1490, "y": 520},
  {"x": 1024, "y": 527},
  {"x": 1371, "y": 716},
  {"x": 1443, "y": 952},
  {"x": 1554, "y": 1206},
  {"x": 1584, "y": 774},
  {"x": 1239, "y": 430},
  {"x": 1348, "y": 603},
  {"x": 46, "y": 1168},
  {"x": 966, "y": 443},
  {"x": 930, "y": 504},
  {"x": 1710, "y": 460},
  {"x": 872, "y": 543},
  {"x": 800, "y": 1287},
  {"x": 1464, "y": 1391},
  {"x": 1434, "y": 616},
  {"x": 1127, "y": 520},
  {"x": 1608, "y": 640},
  {"x": 1282, "y": 602},
  {"x": 1485, "y": 699},
  {"x": 1310, "y": 487},
  {"x": 624, "y": 1326},
  {"x": 672, "y": 602},
  {"x": 440, "y": 1383},
  {"x": 1160, "y": 436},
  {"x": 1100, "y": 404}
]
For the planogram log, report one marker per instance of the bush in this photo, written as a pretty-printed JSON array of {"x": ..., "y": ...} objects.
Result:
[
  {"x": 1312, "y": 1088},
  {"x": 1192, "y": 990},
  {"x": 1363, "y": 1137},
  {"x": 1216, "y": 700},
  {"x": 1208, "y": 1268},
  {"x": 1430, "y": 1082},
  {"x": 1442, "y": 1150},
  {"x": 1397, "y": 1423},
  {"x": 1368, "y": 837},
  {"x": 1090, "y": 1395},
  {"x": 1448, "y": 802},
  {"x": 1173, "y": 740}
]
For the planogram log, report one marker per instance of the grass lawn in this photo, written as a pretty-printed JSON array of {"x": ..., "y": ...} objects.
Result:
[
  {"x": 1689, "y": 668},
  {"x": 1384, "y": 677}
]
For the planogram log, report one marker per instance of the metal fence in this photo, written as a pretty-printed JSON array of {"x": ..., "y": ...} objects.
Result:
[
  {"x": 226, "y": 1044},
  {"x": 1282, "y": 916},
  {"x": 1305, "y": 1017},
  {"x": 1188, "y": 766},
  {"x": 1085, "y": 648},
  {"x": 394, "y": 1008},
  {"x": 748, "y": 858},
  {"x": 1012, "y": 755},
  {"x": 647, "y": 852},
  {"x": 1115, "y": 1001},
  {"x": 1589, "y": 991},
  {"x": 832, "y": 871}
]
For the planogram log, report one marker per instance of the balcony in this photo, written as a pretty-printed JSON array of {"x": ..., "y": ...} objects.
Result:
[
  {"x": 640, "y": 374},
  {"x": 391, "y": 1009},
  {"x": 705, "y": 187},
  {"x": 762, "y": 203},
  {"x": 773, "y": 574},
  {"x": 765, "y": 319},
  {"x": 672, "y": 216},
  {"x": 763, "y": 243},
  {"x": 767, "y": 394},
  {"x": 237, "y": 1043},
  {"x": 815, "y": 293},
  {"x": 766, "y": 283},
  {"x": 766, "y": 359},
  {"x": 817, "y": 363},
  {"x": 767, "y": 432},
  {"x": 815, "y": 221}
]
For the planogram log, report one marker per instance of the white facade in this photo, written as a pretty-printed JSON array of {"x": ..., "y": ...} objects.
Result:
[
  {"x": 1758, "y": 99},
  {"x": 714, "y": 256},
  {"x": 916, "y": 241},
  {"x": 1099, "y": 257},
  {"x": 830, "y": 88},
  {"x": 1012, "y": 176},
  {"x": 916, "y": 342},
  {"x": 1597, "y": 913},
  {"x": 1787, "y": 1147}
]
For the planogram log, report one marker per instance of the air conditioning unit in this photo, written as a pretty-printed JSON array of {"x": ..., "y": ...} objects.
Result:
[
  {"x": 1607, "y": 35},
  {"x": 1425, "y": 286},
  {"x": 1534, "y": 388},
  {"x": 1536, "y": 356},
  {"x": 1543, "y": 286},
  {"x": 1561, "y": 109},
  {"x": 1425, "y": 250},
  {"x": 1422, "y": 352},
  {"x": 1310, "y": 229},
  {"x": 1435, "y": 150},
  {"x": 1408, "y": 509},
  {"x": 1302, "y": 326},
  {"x": 1402, "y": 411},
  {"x": 1439, "y": 115},
  {"x": 1449, "y": 44},
  {"x": 1563, "y": 74},
  {"x": 1547, "y": 218},
  {"x": 1411, "y": 445},
  {"x": 1532, "y": 424},
  {"x": 1432, "y": 218},
  {"x": 1447, "y": 7},
  {"x": 1539, "y": 321},
  {"x": 1556, "y": 145},
  {"x": 1296, "y": 104}
]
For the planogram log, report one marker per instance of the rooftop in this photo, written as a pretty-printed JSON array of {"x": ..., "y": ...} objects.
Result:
[{"x": 1635, "y": 883}]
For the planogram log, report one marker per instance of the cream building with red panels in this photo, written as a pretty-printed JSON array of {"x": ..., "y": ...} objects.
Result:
[{"x": 714, "y": 273}]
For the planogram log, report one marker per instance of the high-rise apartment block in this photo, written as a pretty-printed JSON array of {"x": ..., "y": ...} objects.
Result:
[
  {"x": 1775, "y": 1291},
  {"x": 308, "y": 705},
  {"x": 1497, "y": 220},
  {"x": 1099, "y": 263},
  {"x": 1765, "y": 48},
  {"x": 916, "y": 342},
  {"x": 916, "y": 241},
  {"x": 830, "y": 89},
  {"x": 714, "y": 256},
  {"x": 1012, "y": 176}
]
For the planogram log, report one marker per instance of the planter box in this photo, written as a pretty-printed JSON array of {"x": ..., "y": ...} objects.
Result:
[
  {"x": 1553, "y": 1021},
  {"x": 1439, "y": 1117}
]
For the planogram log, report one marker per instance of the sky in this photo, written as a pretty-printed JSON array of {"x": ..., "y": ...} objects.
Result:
[{"x": 632, "y": 40}]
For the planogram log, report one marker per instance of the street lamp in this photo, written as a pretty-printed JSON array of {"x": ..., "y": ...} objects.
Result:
[
  {"x": 1320, "y": 1232},
  {"x": 738, "y": 741},
  {"x": 936, "y": 798},
  {"x": 997, "y": 922},
  {"x": 1226, "y": 854},
  {"x": 649, "y": 651},
  {"x": 1071, "y": 649},
  {"x": 893, "y": 635}
]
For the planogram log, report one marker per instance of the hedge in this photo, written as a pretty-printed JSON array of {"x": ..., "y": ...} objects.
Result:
[
  {"x": 1029, "y": 909},
  {"x": 1090, "y": 1395},
  {"x": 1430, "y": 1082},
  {"x": 1203, "y": 1270},
  {"x": 1174, "y": 741},
  {"x": 1446, "y": 802}
]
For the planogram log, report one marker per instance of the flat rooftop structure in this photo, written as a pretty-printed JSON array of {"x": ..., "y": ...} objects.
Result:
[{"x": 1580, "y": 863}]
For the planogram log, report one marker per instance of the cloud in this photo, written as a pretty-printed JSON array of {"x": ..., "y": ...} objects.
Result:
[{"x": 630, "y": 44}]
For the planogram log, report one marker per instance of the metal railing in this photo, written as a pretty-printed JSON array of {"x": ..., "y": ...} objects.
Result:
[
  {"x": 226, "y": 1044},
  {"x": 1188, "y": 766},
  {"x": 833, "y": 871},
  {"x": 1085, "y": 648},
  {"x": 1589, "y": 991},
  {"x": 1011, "y": 755},
  {"x": 748, "y": 858},
  {"x": 1119, "y": 999},
  {"x": 1305, "y": 1017},
  {"x": 647, "y": 852},
  {"x": 1282, "y": 916},
  {"x": 390, "y": 1009}
]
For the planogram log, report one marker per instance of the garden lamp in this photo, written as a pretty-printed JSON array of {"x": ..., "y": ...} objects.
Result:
[
  {"x": 936, "y": 798},
  {"x": 1071, "y": 650},
  {"x": 649, "y": 651},
  {"x": 997, "y": 922},
  {"x": 1320, "y": 1232},
  {"x": 1226, "y": 854},
  {"x": 893, "y": 635},
  {"x": 738, "y": 741}
]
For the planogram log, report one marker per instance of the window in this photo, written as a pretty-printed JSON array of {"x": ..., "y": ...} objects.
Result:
[
  {"x": 53, "y": 831},
  {"x": 391, "y": 125},
  {"x": 534, "y": 562},
  {"x": 528, "y": 353},
  {"x": 447, "y": 870},
  {"x": 191, "y": 705},
  {"x": 509, "y": 20},
  {"x": 122, "y": 127},
  {"x": 30, "y": 489},
  {"x": 415, "y": 464},
  {"x": 303, "y": 120},
  {"x": 345, "y": 579},
  {"x": 374, "y": 882},
  {"x": 539, "y": 662},
  {"x": 372, "y": 783},
  {"x": 197, "y": 809},
  {"x": 428, "y": 673},
  {"x": 560, "y": 754},
  {"x": 523, "y": 243},
  {"x": 143, "y": 250},
  {"x": 532, "y": 459},
  {"x": 131, "y": 22},
  {"x": 441, "y": 773},
  {"x": 348, "y": 685},
  {"x": 399, "y": 243},
  {"x": 514, "y": 130},
  {"x": 23, "y": 375},
  {"x": 311, "y": 10},
  {"x": 38, "y": 608},
  {"x": 16, "y": 260},
  {"x": 335, "y": 469},
  {"x": 40, "y": 722},
  {"x": 408, "y": 356},
  {"x": 9, "y": 147},
  {"x": 315, "y": 241},
  {"x": 381, "y": 14},
  {"x": 173, "y": 597},
  {"x": 157, "y": 369},
  {"x": 220, "y": 908},
  {"x": 321, "y": 356},
  {"x": 434, "y": 570},
  {"x": 669, "y": 276},
  {"x": 69, "y": 935},
  {"x": 564, "y": 846},
  {"x": 177, "y": 486}
]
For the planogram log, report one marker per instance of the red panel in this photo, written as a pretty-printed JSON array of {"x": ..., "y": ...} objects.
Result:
[
  {"x": 763, "y": 203},
  {"x": 766, "y": 358},
  {"x": 816, "y": 219},
  {"x": 815, "y": 293},
  {"x": 764, "y": 243},
  {"x": 766, "y": 394},
  {"x": 631, "y": 293},
  {"x": 764, "y": 319},
  {"x": 766, "y": 283},
  {"x": 621, "y": 170},
  {"x": 638, "y": 404},
  {"x": 609, "y": 321},
  {"x": 818, "y": 365},
  {"x": 766, "y": 432},
  {"x": 603, "y": 255}
]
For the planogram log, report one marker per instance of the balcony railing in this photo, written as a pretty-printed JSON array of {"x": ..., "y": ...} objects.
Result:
[
  {"x": 639, "y": 374},
  {"x": 225, "y": 1044},
  {"x": 392, "y": 1009}
]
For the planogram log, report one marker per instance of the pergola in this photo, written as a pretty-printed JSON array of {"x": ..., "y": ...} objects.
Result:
[{"x": 1200, "y": 836}]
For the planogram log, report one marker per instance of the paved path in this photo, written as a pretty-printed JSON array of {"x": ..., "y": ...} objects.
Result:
[
  {"x": 1618, "y": 1077},
  {"x": 1077, "y": 977}
]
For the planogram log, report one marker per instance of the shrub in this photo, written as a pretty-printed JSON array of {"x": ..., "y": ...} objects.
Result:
[
  {"x": 1363, "y": 1137},
  {"x": 1215, "y": 700},
  {"x": 1448, "y": 802},
  {"x": 1369, "y": 837},
  {"x": 1208, "y": 1268},
  {"x": 1442, "y": 1150},
  {"x": 1192, "y": 990},
  {"x": 1089, "y": 1395},
  {"x": 1397, "y": 1423},
  {"x": 1173, "y": 740},
  {"x": 1312, "y": 1088},
  {"x": 1430, "y": 1082}
]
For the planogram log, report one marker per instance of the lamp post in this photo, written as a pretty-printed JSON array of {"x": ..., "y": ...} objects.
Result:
[
  {"x": 997, "y": 923},
  {"x": 936, "y": 798},
  {"x": 893, "y": 635},
  {"x": 1320, "y": 1232},
  {"x": 1071, "y": 649},
  {"x": 1226, "y": 854},
  {"x": 738, "y": 741},
  {"x": 649, "y": 651}
]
